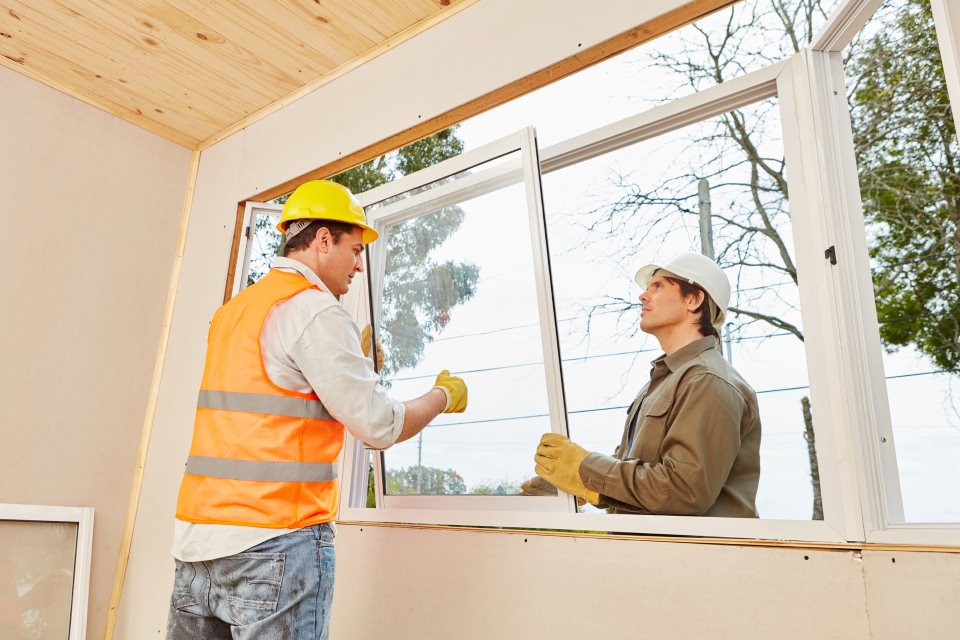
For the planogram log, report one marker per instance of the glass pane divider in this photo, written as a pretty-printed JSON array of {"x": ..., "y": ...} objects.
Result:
[{"x": 718, "y": 99}]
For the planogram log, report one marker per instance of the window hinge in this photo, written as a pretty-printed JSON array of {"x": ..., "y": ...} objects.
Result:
[
  {"x": 246, "y": 232},
  {"x": 831, "y": 254}
]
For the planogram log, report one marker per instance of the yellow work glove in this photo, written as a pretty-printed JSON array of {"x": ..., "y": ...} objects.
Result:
[
  {"x": 366, "y": 339},
  {"x": 455, "y": 389},
  {"x": 537, "y": 486},
  {"x": 558, "y": 462}
]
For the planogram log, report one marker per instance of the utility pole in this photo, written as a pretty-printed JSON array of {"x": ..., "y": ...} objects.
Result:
[
  {"x": 706, "y": 248},
  {"x": 419, "y": 462},
  {"x": 706, "y": 222}
]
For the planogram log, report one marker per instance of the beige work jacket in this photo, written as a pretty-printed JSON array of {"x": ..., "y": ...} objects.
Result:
[{"x": 695, "y": 446}]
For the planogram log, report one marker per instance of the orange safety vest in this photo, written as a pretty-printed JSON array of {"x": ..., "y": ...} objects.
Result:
[{"x": 261, "y": 456}]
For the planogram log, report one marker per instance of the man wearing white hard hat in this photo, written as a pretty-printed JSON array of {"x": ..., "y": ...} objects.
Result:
[{"x": 691, "y": 444}]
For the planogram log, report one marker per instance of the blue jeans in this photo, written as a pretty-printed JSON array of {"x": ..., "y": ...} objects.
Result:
[{"x": 280, "y": 589}]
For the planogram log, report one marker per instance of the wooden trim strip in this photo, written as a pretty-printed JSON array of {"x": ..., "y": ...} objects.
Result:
[
  {"x": 738, "y": 542},
  {"x": 408, "y": 33},
  {"x": 234, "y": 248},
  {"x": 134, "y": 503},
  {"x": 598, "y": 53}
]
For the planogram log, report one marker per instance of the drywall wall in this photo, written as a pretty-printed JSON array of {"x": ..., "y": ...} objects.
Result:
[
  {"x": 408, "y": 583},
  {"x": 89, "y": 210}
]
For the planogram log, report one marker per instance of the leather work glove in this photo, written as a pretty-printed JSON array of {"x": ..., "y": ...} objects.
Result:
[
  {"x": 537, "y": 486},
  {"x": 455, "y": 389},
  {"x": 558, "y": 462},
  {"x": 366, "y": 338}
]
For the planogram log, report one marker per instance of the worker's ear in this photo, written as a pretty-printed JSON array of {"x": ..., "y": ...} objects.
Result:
[
  {"x": 323, "y": 240},
  {"x": 693, "y": 301}
]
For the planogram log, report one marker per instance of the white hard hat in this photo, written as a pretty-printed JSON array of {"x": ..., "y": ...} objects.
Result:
[{"x": 697, "y": 269}]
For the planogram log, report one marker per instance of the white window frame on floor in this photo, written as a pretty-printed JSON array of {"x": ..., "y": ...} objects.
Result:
[
  {"x": 790, "y": 81},
  {"x": 83, "y": 517},
  {"x": 871, "y": 436}
]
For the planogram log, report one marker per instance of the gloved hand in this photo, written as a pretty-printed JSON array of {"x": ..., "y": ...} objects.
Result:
[
  {"x": 558, "y": 462},
  {"x": 537, "y": 486},
  {"x": 455, "y": 389},
  {"x": 366, "y": 338}
]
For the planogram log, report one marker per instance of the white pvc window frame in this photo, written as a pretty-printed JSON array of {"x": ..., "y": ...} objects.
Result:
[
  {"x": 857, "y": 458},
  {"x": 83, "y": 518},
  {"x": 513, "y": 160},
  {"x": 871, "y": 441},
  {"x": 245, "y": 246},
  {"x": 840, "y": 494}
]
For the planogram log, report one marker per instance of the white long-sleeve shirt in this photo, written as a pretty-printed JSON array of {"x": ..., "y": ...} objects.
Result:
[{"x": 309, "y": 344}]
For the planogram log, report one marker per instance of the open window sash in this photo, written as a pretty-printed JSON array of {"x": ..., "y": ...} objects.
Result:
[{"x": 510, "y": 163}]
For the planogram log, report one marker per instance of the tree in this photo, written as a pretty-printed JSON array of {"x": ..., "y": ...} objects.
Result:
[
  {"x": 420, "y": 292},
  {"x": 425, "y": 481},
  {"x": 909, "y": 159}
]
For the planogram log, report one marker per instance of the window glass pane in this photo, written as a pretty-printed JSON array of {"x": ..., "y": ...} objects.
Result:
[
  {"x": 732, "y": 42},
  {"x": 908, "y": 159},
  {"x": 265, "y": 242},
  {"x": 36, "y": 578},
  {"x": 459, "y": 293},
  {"x": 609, "y": 215}
]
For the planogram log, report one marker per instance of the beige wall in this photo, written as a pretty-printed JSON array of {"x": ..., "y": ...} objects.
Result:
[
  {"x": 404, "y": 583},
  {"x": 89, "y": 214}
]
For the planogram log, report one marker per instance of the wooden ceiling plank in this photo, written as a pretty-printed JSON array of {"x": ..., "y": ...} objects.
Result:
[
  {"x": 199, "y": 41},
  {"x": 202, "y": 68},
  {"x": 350, "y": 15},
  {"x": 163, "y": 72},
  {"x": 324, "y": 31},
  {"x": 264, "y": 39},
  {"x": 102, "y": 68}
]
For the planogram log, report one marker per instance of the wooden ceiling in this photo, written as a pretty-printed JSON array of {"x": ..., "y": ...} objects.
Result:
[{"x": 194, "y": 71}]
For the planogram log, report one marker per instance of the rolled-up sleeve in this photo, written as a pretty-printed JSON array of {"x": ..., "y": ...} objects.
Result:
[
  {"x": 328, "y": 354},
  {"x": 698, "y": 451}
]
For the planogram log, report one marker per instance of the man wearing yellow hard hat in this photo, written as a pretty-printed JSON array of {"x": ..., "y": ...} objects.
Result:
[
  {"x": 285, "y": 377},
  {"x": 691, "y": 442}
]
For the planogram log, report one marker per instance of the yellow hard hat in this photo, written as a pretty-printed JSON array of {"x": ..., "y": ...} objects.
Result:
[{"x": 325, "y": 200}]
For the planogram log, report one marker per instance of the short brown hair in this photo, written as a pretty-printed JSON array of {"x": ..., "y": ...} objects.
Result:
[
  {"x": 306, "y": 236},
  {"x": 704, "y": 322}
]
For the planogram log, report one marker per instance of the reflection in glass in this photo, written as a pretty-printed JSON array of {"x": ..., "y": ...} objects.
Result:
[
  {"x": 460, "y": 293},
  {"x": 609, "y": 215},
  {"x": 36, "y": 578},
  {"x": 909, "y": 164}
]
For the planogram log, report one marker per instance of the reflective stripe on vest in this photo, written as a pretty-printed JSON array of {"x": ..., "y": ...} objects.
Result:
[
  {"x": 267, "y": 405},
  {"x": 261, "y": 471}
]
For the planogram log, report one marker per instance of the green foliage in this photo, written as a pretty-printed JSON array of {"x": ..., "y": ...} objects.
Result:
[
  {"x": 908, "y": 156},
  {"x": 505, "y": 487},
  {"x": 425, "y": 481}
]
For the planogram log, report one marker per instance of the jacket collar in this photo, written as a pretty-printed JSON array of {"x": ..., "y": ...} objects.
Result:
[{"x": 688, "y": 352}]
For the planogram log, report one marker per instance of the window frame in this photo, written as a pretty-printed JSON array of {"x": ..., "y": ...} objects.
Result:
[
  {"x": 841, "y": 500},
  {"x": 83, "y": 518},
  {"x": 872, "y": 442}
]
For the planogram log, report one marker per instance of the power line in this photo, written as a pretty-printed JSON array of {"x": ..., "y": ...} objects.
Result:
[{"x": 621, "y": 407}]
